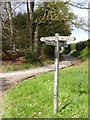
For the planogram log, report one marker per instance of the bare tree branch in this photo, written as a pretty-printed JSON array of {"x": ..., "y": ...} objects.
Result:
[
  {"x": 77, "y": 4},
  {"x": 17, "y": 7}
]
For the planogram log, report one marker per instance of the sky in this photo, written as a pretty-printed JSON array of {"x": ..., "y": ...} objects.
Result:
[{"x": 80, "y": 34}]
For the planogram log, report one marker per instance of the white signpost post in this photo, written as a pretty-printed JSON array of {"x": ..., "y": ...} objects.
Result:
[{"x": 54, "y": 41}]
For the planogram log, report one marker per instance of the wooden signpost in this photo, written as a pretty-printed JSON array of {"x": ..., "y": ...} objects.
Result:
[{"x": 55, "y": 41}]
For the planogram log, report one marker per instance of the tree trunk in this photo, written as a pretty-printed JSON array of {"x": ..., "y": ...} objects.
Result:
[
  {"x": 31, "y": 21},
  {"x": 36, "y": 40},
  {"x": 0, "y": 45},
  {"x": 28, "y": 21},
  {"x": 11, "y": 26}
]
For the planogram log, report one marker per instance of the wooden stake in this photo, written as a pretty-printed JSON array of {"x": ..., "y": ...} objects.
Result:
[{"x": 56, "y": 73}]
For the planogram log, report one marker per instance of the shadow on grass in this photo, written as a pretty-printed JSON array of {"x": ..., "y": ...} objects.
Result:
[{"x": 63, "y": 107}]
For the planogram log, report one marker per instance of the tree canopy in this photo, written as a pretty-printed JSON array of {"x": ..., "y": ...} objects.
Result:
[{"x": 24, "y": 30}]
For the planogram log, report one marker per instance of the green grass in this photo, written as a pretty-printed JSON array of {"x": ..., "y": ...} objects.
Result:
[
  {"x": 80, "y": 54},
  {"x": 7, "y": 67},
  {"x": 33, "y": 98}
]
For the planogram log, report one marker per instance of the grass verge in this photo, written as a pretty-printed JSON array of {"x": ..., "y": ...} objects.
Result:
[
  {"x": 83, "y": 55},
  {"x": 33, "y": 98},
  {"x": 21, "y": 63},
  {"x": 8, "y": 67}
]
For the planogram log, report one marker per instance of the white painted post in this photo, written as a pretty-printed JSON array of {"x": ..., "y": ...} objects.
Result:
[
  {"x": 56, "y": 73},
  {"x": 54, "y": 41}
]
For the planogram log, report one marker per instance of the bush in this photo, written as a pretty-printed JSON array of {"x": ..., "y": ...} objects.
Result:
[
  {"x": 30, "y": 55},
  {"x": 81, "y": 45},
  {"x": 49, "y": 51},
  {"x": 67, "y": 50},
  {"x": 73, "y": 46},
  {"x": 83, "y": 55},
  {"x": 6, "y": 46}
]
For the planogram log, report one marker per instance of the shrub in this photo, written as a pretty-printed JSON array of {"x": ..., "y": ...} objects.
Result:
[
  {"x": 49, "y": 51},
  {"x": 81, "y": 45},
  {"x": 67, "y": 50},
  {"x": 30, "y": 55}
]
